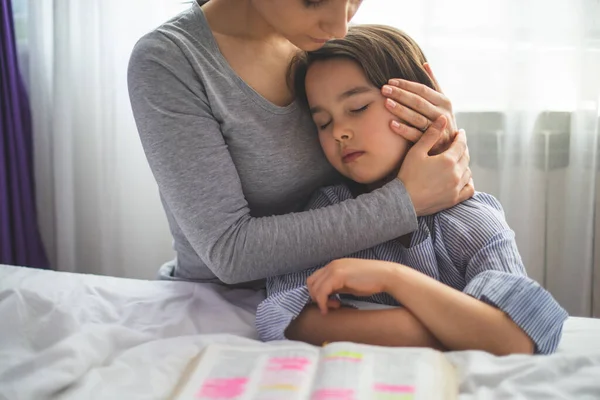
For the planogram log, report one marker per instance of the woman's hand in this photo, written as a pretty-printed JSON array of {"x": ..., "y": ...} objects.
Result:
[
  {"x": 351, "y": 276},
  {"x": 435, "y": 183},
  {"x": 436, "y": 170},
  {"x": 416, "y": 107}
]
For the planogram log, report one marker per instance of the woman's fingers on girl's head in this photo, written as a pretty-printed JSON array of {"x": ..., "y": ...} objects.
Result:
[
  {"x": 407, "y": 116},
  {"x": 457, "y": 148},
  {"x": 407, "y": 132},
  {"x": 431, "y": 136},
  {"x": 429, "y": 71},
  {"x": 418, "y": 89},
  {"x": 414, "y": 101},
  {"x": 433, "y": 133},
  {"x": 440, "y": 123}
]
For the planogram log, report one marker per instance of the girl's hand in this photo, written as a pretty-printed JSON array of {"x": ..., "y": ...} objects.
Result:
[
  {"x": 435, "y": 183},
  {"x": 416, "y": 107},
  {"x": 351, "y": 276}
]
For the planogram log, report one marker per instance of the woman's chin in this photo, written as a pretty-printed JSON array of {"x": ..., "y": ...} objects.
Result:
[
  {"x": 311, "y": 46},
  {"x": 308, "y": 44}
]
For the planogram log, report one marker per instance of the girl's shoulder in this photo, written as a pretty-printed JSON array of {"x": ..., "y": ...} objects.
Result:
[
  {"x": 481, "y": 205},
  {"x": 473, "y": 222},
  {"x": 329, "y": 195}
]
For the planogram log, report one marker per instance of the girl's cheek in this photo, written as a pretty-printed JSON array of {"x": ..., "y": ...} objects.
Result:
[
  {"x": 323, "y": 142},
  {"x": 325, "y": 145}
]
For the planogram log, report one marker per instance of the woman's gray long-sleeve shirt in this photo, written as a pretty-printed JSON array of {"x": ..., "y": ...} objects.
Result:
[{"x": 234, "y": 170}]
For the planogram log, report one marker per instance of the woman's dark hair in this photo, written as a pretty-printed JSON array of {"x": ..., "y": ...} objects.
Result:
[{"x": 381, "y": 51}]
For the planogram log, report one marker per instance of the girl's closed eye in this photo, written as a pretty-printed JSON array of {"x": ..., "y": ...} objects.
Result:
[
  {"x": 360, "y": 109},
  {"x": 322, "y": 124}
]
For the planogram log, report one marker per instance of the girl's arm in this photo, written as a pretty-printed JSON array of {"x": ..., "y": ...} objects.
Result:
[
  {"x": 500, "y": 309},
  {"x": 287, "y": 313},
  {"x": 458, "y": 321},
  {"x": 480, "y": 243},
  {"x": 396, "y": 327}
]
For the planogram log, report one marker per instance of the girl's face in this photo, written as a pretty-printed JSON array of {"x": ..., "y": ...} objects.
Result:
[
  {"x": 353, "y": 122},
  {"x": 308, "y": 24}
]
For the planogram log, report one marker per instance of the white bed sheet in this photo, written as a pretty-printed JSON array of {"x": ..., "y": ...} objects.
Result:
[{"x": 72, "y": 336}]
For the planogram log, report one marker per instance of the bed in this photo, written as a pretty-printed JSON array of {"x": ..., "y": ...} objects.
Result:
[{"x": 74, "y": 336}]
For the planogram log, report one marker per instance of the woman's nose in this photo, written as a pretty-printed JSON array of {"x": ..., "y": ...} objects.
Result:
[{"x": 335, "y": 23}]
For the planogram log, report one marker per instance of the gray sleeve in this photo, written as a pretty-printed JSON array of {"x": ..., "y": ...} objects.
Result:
[{"x": 198, "y": 180}]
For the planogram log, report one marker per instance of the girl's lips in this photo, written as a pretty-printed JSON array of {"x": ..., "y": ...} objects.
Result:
[{"x": 348, "y": 158}]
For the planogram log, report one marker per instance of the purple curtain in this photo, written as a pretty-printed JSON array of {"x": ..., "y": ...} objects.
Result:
[{"x": 20, "y": 242}]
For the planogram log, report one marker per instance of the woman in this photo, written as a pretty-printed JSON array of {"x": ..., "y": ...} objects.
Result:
[{"x": 229, "y": 149}]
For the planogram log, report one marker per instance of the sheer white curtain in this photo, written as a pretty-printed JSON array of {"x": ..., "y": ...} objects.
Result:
[
  {"x": 524, "y": 78},
  {"x": 99, "y": 206}
]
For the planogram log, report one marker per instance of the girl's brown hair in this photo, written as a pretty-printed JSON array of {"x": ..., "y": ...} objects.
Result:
[{"x": 381, "y": 51}]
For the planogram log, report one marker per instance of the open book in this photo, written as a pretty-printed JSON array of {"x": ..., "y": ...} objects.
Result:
[{"x": 340, "y": 371}]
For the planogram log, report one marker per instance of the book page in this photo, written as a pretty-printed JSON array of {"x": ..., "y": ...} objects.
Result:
[
  {"x": 262, "y": 372},
  {"x": 349, "y": 371}
]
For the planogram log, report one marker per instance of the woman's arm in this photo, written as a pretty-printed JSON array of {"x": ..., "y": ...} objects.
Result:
[
  {"x": 199, "y": 181},
  {"x": 390, "y": 327}
]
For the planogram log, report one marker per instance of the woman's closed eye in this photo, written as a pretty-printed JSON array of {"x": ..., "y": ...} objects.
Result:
[{"x": 314, "y": 3}]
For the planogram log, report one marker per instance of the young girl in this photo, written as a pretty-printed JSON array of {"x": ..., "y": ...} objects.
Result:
[{"x": 458, "y": 278}]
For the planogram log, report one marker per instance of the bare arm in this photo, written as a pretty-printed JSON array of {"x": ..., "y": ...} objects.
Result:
[
  {"x": 458, "y": 320},
  {"x": 390, "y": 327}
]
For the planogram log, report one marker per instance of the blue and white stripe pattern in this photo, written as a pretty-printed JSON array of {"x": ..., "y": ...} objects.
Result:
[{"x": 468, "y": 247}]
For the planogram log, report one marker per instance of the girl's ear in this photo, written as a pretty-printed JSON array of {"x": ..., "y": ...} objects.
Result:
[{"x": 427, "y": 68}]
